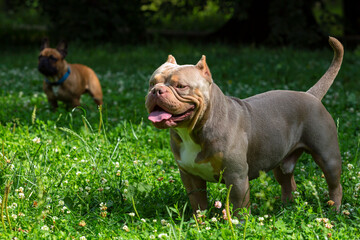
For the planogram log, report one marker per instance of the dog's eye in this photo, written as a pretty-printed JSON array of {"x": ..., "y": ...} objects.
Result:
[
  {"x": 52, "y": 58},
  {"x": 180, "y": 86}
]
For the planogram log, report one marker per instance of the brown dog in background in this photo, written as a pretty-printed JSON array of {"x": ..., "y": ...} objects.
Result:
[{"x": 64, "y": 81}]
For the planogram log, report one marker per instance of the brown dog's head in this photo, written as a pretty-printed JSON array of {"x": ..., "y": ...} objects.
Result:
[
  {"x": 178, "y": 94},
  {"x": 51, "y": 61}
]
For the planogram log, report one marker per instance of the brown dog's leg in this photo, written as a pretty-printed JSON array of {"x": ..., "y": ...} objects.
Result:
[
  {"x": 240, "y": 192},
  {"x": 331, "y": 166},
  {"x": 196, "y": 190},
  {"x": 285, "y": 177},
  {"x": 287, "y": 183}
]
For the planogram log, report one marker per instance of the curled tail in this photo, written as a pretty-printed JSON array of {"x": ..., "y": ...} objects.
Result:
[{"x": 322, "y": 86}]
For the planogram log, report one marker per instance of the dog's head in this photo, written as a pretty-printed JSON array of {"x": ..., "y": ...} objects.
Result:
[
  {"x": 51, "y": 60},
  {"x": 178, "y": 94}
]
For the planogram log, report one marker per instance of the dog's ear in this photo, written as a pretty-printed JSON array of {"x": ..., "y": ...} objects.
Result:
[
  {"x": 62, "y": 48},
  {"x": 171, "y": 59},
  {"x": 204, "y": 69},
  {"x": 44, "y": 43}
]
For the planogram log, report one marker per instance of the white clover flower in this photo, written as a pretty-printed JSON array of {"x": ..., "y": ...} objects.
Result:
[
  {"x": 132, "y": 214},
  {"x": 350, "y": 166},
  {"x": 117, "y": 164},
  {"x": 78, "y": 173},
  {"x": 266, "y": 216},
  {"x": 143, "y": 220},
  {"x": 45, "y": 228},
  {"x": 126, "y": 182},
  {"x": 357, "y": 187},
  {"x": 159, "y": 162},
  {"x": 20, "y": 214},
  {"x": 103, "y": 181},
  {"x": 82, "y": 238},
  {"x": 76, "y": 159},
  {"x": 74, "y": 148},
  {"x": 36, "y": 140},
  {"x": 21, "y": 189},
  {"x": 261, "y": 219},
  {"x": 152, "y": 237},
  {"x": 87, "y": 188},
  {"x": 154, "y": 220},
  {"x": 21, "y": 195},
  {"x": 125, "y": 190},
  {"x": 162, "y": 235},
  {"x": 14, "y": 205},
  {"x": 163, "y": 221},
  {"x": 61, "y": 203},
  {"x": 14, "y": 216},
  {"x": 56, "y": 150},
  {"x": 235, "y": 221},
  {"x": 218, "y": 204},
  {"x": 214, "y": 219},
  {"x": 126, "y": 228},
  {"x": 136, "y": 162},
  {"x": 208, "y": 228}
]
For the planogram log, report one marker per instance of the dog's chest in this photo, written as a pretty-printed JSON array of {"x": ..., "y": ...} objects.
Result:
[
  {"x": 189, "y": 151},
  {"x": 56, "y": 90}
]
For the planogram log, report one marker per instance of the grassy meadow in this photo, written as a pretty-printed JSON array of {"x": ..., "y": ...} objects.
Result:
[{"x": 109, "y": 174}]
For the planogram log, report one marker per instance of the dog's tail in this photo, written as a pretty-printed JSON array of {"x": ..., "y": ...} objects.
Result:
[{"x": 322, "y": 86}]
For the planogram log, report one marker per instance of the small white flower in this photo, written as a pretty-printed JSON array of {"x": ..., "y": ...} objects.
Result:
[
  {"x": 152, "y": 237},
  {"x": 36, "y": 140},
  {"x": 154, "y": 220},
  {"x": 74, "y": 148},
  {"x": 14, "y": 205},
  {"x": 162, "y": 235},
  {"x": 82, "y": 238},
  {"x": 261, "y": 219},
  {"x": 21, "y": 195},
  {"x": 126, "y": 228},
  {"x": 75, "y": 159},
  {"x": 45, "y": 228},
  {"x": 78, "y": 173},
  {"x": 214, "y": 219},
  {"x": 87, "y": 188},
  {"x": 14, "y": 216},
  {"x": 126, "y": 182},
  {"x": 266, "y": 216},
  {"x": 163, "y": 221},
  {"x": 132, "y": 214},
  {"x": 208, "y": 228},
  {"x": 21, "y": 189},
  {"x": 159, "y": 162},
  {"x": 143, "y": 220},
  {"x": 61, "y": 203},
  {"x": 117, "y": 164},
  {"x": 235, "y": 221},
  {"x": 125, "y": 190},
  {"x": 350, "y": 166}
]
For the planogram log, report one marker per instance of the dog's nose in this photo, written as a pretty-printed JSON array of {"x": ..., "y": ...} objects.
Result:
[{"x": 159, "y": 90}]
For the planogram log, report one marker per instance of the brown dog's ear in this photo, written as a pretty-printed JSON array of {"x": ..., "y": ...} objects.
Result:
[
  {"x": 62, "y": 48},
  {"x": 44, "y": 43},
  {"x": 171, "y": 59},
  {"x": 203, "y": 67}
]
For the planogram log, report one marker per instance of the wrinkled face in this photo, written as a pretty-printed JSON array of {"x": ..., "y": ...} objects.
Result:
[
  {"x": 48, "y": 63},
  {"x": 178, "y": 94}
]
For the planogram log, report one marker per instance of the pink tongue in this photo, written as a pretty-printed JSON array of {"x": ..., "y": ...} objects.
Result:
[{"x": 158, "y": 116}]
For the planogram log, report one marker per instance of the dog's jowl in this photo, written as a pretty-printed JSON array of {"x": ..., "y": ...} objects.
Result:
[
  {"x": 64, "y": 81},
  {"x": 212, "y": 133}
]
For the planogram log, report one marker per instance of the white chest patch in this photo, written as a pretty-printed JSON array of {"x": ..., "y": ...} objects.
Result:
[
  {"x": 56, "y": 90},
  {"x": 188, "y": 153}
]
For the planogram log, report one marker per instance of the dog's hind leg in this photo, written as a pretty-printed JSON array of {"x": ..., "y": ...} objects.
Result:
[{"x": 285, "y": 177}]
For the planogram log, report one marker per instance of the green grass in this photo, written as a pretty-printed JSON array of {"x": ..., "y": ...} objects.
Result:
[{"x": 62, "y": 168}]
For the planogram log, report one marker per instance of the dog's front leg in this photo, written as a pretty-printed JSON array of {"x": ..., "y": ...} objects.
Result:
[
  {"x": 196, "y": 190},
  {"x": 240, "y": 191}
]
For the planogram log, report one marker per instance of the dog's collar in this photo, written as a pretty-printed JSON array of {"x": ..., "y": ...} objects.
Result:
[{"x": 61, "y": 80}]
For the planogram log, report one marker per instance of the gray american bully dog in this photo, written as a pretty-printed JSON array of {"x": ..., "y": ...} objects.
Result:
[{"x": 213, "y": 133}]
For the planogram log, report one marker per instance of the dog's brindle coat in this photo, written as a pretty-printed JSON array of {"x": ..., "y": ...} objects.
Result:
[{"x": 212, "y": 133}]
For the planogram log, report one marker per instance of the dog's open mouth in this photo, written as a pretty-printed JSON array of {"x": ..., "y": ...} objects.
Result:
[{"x": 158, "y": 115}]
